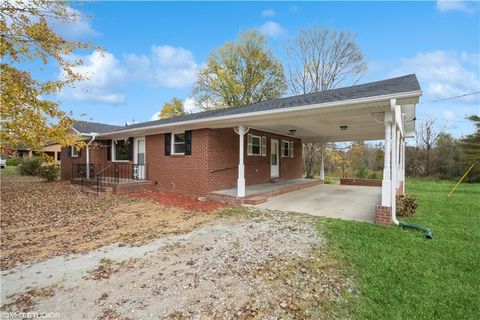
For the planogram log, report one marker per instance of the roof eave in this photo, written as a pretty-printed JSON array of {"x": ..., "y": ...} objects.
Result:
[{"x": 206, "y": 121}]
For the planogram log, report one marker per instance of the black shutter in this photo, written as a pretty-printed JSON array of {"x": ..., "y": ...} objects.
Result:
[
  {"x": 69, "y": 150},
  {"x": 109, "y": 150},
  {"x": 79, "y": 153},
  {"x": 168, "y": 143},
  {"x": 188, "y": 142},
  {"x": 130, "y": 144}
]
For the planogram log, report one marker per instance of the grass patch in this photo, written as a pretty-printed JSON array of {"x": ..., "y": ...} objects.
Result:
[{"x": 402, "y": 275}]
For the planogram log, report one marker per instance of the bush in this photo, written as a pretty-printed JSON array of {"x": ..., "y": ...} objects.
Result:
[
  {"x": 374, "y": 175},
  {"x": 329, "y": 180},
  {"x": 13, "y": 161},
  {"x": 406, "y": 205},
  {"x": 30, "y": 166},
  {"x": 50, "y": 172}
]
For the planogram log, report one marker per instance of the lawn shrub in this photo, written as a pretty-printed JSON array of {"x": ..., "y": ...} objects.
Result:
[
  {"x": 329, "y": 180},
  {"x": 49, "y": 172},
  {"x": 406, "y": 205},
  {"x": 13, "y": 161},
  {"x": 30, "y": 166}
]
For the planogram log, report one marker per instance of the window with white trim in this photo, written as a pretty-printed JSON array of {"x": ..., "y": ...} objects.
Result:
[
  {"x": 254, "y": 147},
  {"x": 178, "y": 143},
  {"x": 121, "y": 150},
  {"x": 287, "y": 148},
  {"x": 74, "y": 152}
]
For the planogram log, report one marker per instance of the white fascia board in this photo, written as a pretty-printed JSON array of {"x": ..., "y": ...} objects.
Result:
[{"x": 244, "y": 116}]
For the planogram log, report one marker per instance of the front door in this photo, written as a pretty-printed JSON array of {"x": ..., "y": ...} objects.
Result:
[
  {"x": 139, "y": 169},
  {"x": 274, "y": 159}
]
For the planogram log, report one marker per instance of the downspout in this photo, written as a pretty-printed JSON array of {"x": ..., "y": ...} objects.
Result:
[
  {"x": 94, "y": 135},
  {"x": 394, "y": 158}
]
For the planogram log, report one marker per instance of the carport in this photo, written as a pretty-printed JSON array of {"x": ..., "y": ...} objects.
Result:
[{"x": 383, "y": 110}]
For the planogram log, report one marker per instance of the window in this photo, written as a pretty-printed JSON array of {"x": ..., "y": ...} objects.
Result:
[
  {"x": 74, "y": 152},
  {"x": 121, "y": 150},
  {"x": 287, "y": 148},
  {"x": 257, "y": 146},
  {"x": 59, "y": 156},
  {"x": 178, "y": 144}
]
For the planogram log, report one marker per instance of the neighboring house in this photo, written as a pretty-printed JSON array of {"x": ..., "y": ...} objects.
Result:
[
  {"x": 53, "y": 150},
  {"x": 237, "y": 147}
]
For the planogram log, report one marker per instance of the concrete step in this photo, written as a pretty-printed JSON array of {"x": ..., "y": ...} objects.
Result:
[{"x": 255, "y": 200}]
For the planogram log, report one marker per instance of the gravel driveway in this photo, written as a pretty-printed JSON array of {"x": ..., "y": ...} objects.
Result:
[{"x": 247, "y": 263}]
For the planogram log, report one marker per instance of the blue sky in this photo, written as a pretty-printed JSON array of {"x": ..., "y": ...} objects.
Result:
[{"x": 153, "y": 50}]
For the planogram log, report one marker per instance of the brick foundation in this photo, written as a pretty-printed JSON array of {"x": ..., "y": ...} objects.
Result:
[
  {"x": 361, "y": 182},
  {"x": 383, "y": 215}
]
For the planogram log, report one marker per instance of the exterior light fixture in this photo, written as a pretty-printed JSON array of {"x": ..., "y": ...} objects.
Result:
[
  {"x": 292, "y": 132},
  {"x": 343, "y": 128}
]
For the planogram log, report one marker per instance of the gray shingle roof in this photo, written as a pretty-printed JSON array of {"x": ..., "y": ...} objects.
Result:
[
  {"x": 89, "y": 127},
  {"x": 390, "y": 86}
]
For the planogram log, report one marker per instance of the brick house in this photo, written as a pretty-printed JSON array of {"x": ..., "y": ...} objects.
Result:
[{"x": 253, "y": 144}]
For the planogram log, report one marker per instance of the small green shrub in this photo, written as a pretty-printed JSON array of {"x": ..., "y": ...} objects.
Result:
[
  {"x": 30, "y": 166},
  {"x": 50, "y": 172},
  {"x": 406, "y": 205},
  {"x": 374, "y": 175},
  {"x": 329, "y": 180},
  {"x": 13, "y": 161}
]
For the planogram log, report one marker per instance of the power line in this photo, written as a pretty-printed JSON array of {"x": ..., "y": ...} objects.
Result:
[{"x": 455, "y": 97}]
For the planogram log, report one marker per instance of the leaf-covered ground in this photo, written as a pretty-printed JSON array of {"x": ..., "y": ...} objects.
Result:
[{"x": 41, "y": 219}]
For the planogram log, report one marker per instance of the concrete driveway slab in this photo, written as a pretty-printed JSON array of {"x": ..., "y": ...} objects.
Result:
[{"x": 334, "y": 201}]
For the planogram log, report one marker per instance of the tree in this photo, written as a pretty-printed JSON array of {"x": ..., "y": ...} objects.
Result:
[
  {"x": 240, "y": 73},
  {"x": 470, "y": 149},
  {"x": 27, "y": 117},
  {"x": 322, "y": 59},
  {"x": 427, "y": 137},
  {"x": 446, "y": 157},
  {"x": 173, "y": 108}
]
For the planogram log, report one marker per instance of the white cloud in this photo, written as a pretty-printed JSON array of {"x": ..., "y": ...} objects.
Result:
[
  {"x": 455, "y": 5},
  {"x": 268, "y": 12},
  {"x": 78, "y": 30},
  {"x": 166, "y": 66},
  {"x": 155, "y": 116},
  {"x": 104, "y": 76},
  {"x": 272, "y": 29},
  {"x": 444, "y": 74},
  {"x": 191, "y": 106}
]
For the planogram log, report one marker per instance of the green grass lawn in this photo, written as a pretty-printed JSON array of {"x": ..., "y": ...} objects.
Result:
[{"x": 401, "y": 275}]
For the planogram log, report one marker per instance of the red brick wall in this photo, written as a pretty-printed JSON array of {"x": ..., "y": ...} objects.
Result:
[
  {"x": 211, "y": 166},
  {"x": 178, "y": 173},
  {"x": 98, "y": 157},
  {"x": 361, "y": 182},
  {"x": 383, "y": 215}
]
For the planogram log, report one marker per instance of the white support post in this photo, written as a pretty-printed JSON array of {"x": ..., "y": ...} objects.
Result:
[
  {"x": 322, "y": 165},
  {"x": 241, "y": 131},
  {"x": 87, "y": 155},
  {"x": 396, "y": 132},
  {"x": 386, "y": 182},
  {"x": 403, "y": 166}
]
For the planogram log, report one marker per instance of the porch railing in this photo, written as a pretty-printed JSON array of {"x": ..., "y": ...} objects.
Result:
[{"x": 101, "y": 176}]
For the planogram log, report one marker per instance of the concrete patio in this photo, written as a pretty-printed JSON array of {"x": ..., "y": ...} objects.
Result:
[{"x": 334, "y": 201}]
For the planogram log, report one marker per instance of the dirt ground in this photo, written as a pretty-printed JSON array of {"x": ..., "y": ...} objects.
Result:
[
  {"x": 40, "y": 220},
  {"x": 247, "y": 265},
  {"x": 79, "y": 257}
]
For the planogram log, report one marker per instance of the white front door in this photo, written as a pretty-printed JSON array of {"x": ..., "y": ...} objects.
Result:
[
  {"x": 274, "y": 159},
  {"x": 139, "y": 168}
]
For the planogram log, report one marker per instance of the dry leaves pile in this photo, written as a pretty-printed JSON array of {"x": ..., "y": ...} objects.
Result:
[{"x": 45, "y": 219}]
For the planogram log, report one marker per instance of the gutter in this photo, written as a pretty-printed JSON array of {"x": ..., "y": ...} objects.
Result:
[{"x": 402, "y": 95}]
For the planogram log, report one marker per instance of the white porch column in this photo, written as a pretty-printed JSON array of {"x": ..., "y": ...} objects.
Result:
[
  {"x": 87, "y": 155},
  {"x": 241, "y": 131},
  {"x": 403, "y": 165},
  {"x": 322, "y": 165},
  {"x": 386, "y": 182}
]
